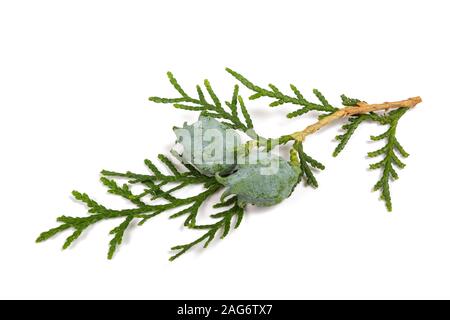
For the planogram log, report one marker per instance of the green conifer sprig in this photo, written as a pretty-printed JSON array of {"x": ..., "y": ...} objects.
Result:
[
  {"x": 307, "y": 165},
  {"x": 350, "y": 127},
  {"x": 187, "y": 207},
  {"x": 228, "y": 114},
  {"x": 226, "y": 217},
  {"x": 163, "y": 184},
  {"x": 280, "y": 98},
  {"x": 390, "y": 157},
  {"x": 325, "y": 109},
  {"x": 353, "y": 123},
  {"x": 386, "y": 165}
]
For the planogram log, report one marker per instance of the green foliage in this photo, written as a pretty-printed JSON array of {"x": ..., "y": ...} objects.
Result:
[
  {"x": 118, "y": 233},
  {"x": 386, "y": 165},
  {"x": 153, "y": 189},
  {"x": 349, "y": 129},
  {"x": 353, "y": 123},
  {"x": 213, "y": 108},
  {"x": 162, "y": 186},
  {"x": 223, "y": 224},
  {"x": 349, "y": 102},
  {"x": 307, "y": 165},
  {"x": 280, "y": 98},
  {"x": 323, "y": 107},
  {"x": 390, "y": 157}
]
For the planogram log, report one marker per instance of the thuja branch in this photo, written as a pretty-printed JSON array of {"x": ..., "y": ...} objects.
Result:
[
  {"x": 360, "y": 108},
  {"x": 357, "y": 113},
  {"x": 154, "y": 183},
  {"x": 210, "y": 106},
  {"x": 241, "y": 180}
]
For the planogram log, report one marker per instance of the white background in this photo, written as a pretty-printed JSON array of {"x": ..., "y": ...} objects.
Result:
[{"x": 74, "y": 81}]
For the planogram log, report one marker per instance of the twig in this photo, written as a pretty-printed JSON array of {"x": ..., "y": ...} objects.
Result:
[{"x": 360, "y": 108}]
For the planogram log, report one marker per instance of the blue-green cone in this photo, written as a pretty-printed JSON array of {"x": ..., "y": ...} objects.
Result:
[
  {"x": 209, "y": 146},
  {"x": 263, "y": 180}
]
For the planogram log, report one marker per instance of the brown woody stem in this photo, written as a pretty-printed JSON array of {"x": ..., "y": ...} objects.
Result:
[{"x": 361, "y": 107}]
